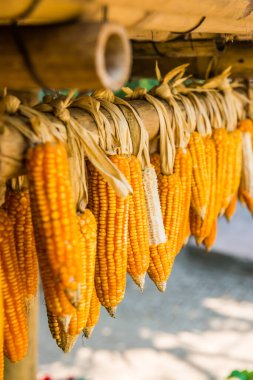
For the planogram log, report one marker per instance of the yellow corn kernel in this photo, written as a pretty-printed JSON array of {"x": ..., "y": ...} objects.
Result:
[
  {"x": 54, "y": 214},
  {"x": 15, "y": 321},
  {"x": 138, "y": 240}
]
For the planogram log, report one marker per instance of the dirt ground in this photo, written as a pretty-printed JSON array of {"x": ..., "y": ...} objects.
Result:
[{"x": 201, "y": 328}]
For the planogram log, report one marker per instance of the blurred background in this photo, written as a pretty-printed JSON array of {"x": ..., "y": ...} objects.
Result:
[{"x": 200, "y": 328}]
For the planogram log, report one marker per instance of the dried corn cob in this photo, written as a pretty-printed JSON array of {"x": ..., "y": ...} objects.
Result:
[
  {"x": 200, "y": 228},
  {"x": 230, "y": 210},
  {"x": 233, "y": 168},
  {"x": 54, "y": 214},
  {"x": 138, "y": 241},
  {"x": 1, "y": 329},
  {"x": 199, "y": 195},
  {"x": 111, "y": 213},
  {"x": 210, "y": 239},
  {"x": 162, "y": 255},
  {"x": 15, "y": 321},
  {"x": 17, "y": 204},
  {"x": 94, "y": 314},
  {"x": 64, "y": 340},
  {"x": 220, "y": 137},
  {"x": 88, "y": 237},
  {"x": 183, "y": 167}
]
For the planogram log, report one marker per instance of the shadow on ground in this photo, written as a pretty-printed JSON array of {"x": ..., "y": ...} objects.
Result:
[{"x": 200, "y": 328}]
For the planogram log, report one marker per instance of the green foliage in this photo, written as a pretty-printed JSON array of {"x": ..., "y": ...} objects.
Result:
[
  {"x": 241, "y": 375},
  {"x": 144, "y": 83}
]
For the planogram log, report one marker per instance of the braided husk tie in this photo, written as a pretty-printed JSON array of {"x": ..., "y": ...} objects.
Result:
[
  {"x": 167, "y": 144},
  {"x": 88, "y": 141}
]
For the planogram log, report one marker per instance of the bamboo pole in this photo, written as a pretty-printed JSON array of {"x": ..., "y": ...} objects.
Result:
[
  {"x": 26, "y": 368},
  {"x": 82, "y": 56}
]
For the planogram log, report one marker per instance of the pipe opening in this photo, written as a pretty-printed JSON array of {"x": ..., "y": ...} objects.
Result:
[{"x": 114, "y": 57}]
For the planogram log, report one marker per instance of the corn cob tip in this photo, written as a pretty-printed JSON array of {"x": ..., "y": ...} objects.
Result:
[
  {"x": 222, "y": 211},
  {"x": 161, "y": 286},
  {"x": 186, "y": 239},
  {"x": 74, "y": 296},
  {"x": 140, "y": 281},
  {"x": 112, "y": 311},
  {"x": 199, "y": 240},
  {"x": 68, "y": 343},
  {"x": 87, "y": 331},
  {"x": 65, "y": 321},
  {"x": 203, "y": 212}
]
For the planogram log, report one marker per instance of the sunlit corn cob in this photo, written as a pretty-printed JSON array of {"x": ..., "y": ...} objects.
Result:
[
  {"x": 1, "y": 330},
  {"x": 233, "y": 168},
  {"x": 111, "y": 213},
  {"x": 220, "y": 138},
  {"x": 17, "y": 204},
  {"x": 15, "y": 321},
  {"x": 210, "y": 239},
  {"x": 200, "y": 228},
  {"x": 54, "y": 214},
  {"x": 161, "y": 263},
  {"x": 162, "y": 255},
  {"x": 199, "y": 194},
  {"x": 88, "y": 239},
  {"x": 94, "y": 314},
  {"x": 183, "y": 167},
  {"x": 64, "y": 340},
  {"x": 237, "y": 163},
  {"x": 138, "y": 240},
  {"x": 230, "y": 210}
]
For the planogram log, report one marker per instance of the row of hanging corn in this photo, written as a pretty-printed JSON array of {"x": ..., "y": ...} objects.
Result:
[{"x": 94, "y": 207}]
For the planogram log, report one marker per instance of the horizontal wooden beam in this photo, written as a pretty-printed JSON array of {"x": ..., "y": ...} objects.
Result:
[
  {"x": 201, "y": 56},
  {"x": 83, "y": 56}
]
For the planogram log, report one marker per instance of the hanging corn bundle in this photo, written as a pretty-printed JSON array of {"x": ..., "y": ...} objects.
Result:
[
  {"x": 111, "y": 211},
  {"x": 201, "y": 226},
  {"x": 141, "y": 207},
  {"x": 161, "y": 257},
  {"x": 182, "y": 125},
  {"x": 138, "y": 240}
]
